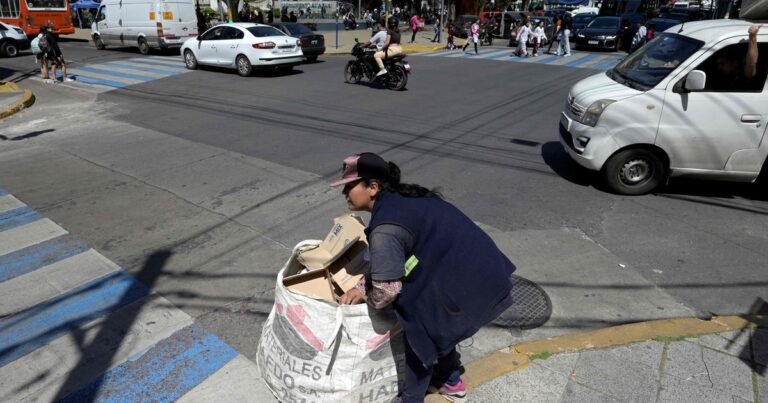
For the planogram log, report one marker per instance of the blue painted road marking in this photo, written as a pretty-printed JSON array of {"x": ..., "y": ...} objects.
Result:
[
  {"x": 115, "y": 73},
  {"x": 31, "y": 258},
  {"x": 147, "y": 69},
  {"x": 581, "y": 61},
  {"x": 164, "y": 373},
  {"x": 27, "y": 331},
  {"x": 17, "y": 217}
]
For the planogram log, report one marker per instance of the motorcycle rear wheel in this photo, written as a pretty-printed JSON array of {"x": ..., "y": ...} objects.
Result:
[
  {"x": 352, "y": 72},
  {"x": 397, "y": 78}
]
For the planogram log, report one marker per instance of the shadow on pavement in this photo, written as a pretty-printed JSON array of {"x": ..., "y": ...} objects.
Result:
[
  {"x": 26, "y": 136},
  {"x": 561, "y": 163}
]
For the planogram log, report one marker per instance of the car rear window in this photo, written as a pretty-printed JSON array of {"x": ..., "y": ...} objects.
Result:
[
  {"x": 261, "y": 32},
  {"x": 298, "y": 29}
]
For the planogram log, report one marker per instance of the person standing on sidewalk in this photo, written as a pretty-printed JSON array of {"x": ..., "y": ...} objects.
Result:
[
  {"x": 539, "y": 36},
  {"x": 473, "y": 36},
  {"x": 565, "y": 29},
  {"x": 442, "y": 274},
  {"x": 437, "y": 28},
  {"x": 556, "y": 34},
  {"x": 414, "y": 27}
]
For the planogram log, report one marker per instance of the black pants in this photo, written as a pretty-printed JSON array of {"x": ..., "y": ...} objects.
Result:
[
  {"x": 417, "y": 377},
  {"x": 413, "y": 37}
]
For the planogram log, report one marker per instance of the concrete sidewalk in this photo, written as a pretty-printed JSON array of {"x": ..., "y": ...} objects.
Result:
[{"x": 677, "y": 360}]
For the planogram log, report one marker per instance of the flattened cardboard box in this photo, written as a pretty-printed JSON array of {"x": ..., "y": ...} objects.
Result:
[{"x": 336, "y": 265}]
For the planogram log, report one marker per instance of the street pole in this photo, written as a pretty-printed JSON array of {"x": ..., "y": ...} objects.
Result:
[{"x": 338, "y": 10}]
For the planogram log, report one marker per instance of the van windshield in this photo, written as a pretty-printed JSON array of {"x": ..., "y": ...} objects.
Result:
[{"x": 650, "y": 64}]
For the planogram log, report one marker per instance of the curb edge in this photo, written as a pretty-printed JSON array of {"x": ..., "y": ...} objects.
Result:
[{"x": 27, "y": 99}]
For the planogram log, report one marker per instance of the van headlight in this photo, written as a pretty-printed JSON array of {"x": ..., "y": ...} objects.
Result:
[{"x": 592, "y": 114}]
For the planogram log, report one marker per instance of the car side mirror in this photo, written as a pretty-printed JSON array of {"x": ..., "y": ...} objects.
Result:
[{"x": 695, "y": 80}]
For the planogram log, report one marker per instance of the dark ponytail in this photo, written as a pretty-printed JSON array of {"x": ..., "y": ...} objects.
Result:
[{"x": 392, "y": 184}]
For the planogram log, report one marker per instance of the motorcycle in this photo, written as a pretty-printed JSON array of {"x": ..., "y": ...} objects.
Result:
[
  {"x": 364, "y": 65},
  {"x": 486, "y": 35}
]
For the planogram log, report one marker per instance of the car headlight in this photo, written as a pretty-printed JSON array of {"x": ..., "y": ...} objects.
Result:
[
  {"x": 580, "y": 35},
  {"x": 610, "y": 37},
  {"x": 592, "y": 114},
  {"x": 19, "y": 30}
]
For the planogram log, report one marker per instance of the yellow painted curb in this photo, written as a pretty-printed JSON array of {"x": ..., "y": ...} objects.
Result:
[
  {"x": 518, "y": 357},
  {"x": 27, "y": 99},
  {"x": 7, "y": 86}
]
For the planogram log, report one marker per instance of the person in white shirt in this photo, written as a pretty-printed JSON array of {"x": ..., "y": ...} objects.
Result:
[
  {"x": 523, "y": 33},
  {"x": 639, "y": 38},
  {"x": 539, "y": 37},
  {"x": 473, "y": 36}
]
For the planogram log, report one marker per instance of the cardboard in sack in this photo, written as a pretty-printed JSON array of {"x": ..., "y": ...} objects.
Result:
[{"x": 313, "y": 349}]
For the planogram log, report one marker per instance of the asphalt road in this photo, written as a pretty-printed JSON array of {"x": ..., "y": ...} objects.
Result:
[{"x": 124, "y": 170}]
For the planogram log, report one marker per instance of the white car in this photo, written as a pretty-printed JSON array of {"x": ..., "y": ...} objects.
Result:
[
  {"x": 675, "y": 107},
  {"x": 244, "y": 47},
  {"x": 12, "y": 40}
]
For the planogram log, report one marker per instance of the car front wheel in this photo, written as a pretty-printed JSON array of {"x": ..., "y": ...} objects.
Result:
[
  {"x": 190, "y": 60},
  {"x": 9, "y": 49},
  {"x": 244, "y": 67},
  {"x": 634, "y": 172}
]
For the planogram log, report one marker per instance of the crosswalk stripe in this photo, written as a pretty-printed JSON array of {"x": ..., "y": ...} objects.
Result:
[
  {"x": 241, "y": 377},
  {"x": 133, "y": 70},
  {"x": 17, "y": 217},
  {"x": 100, "y": 82},
  {"x": 33, "y": 257},
  {"x": 8, "y": 202},
  {"x": 131, "y": 65},
  {"x": 578, "y": 62},
  {"x": 3, "y": 192},
  {"x": 158, "y": 64},
  {"x": 177, "y": 63},
  {"x": 51, "y": 280},
  {"x": 106, "y": 342},
  {"x": 115, "y": 73},
  {"x": 188, "y": 357},
  {"x": 38, "y": 325},
  {"x": 28, "y": 235}
]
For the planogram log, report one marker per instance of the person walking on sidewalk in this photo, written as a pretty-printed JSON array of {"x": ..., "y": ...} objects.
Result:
[
  {"x": 564, "y": 46},
  {"x": 420, "y": 265},
  {"x": 473, "y": 36},
  {"x": 52, "y": 54},
  {"x": 437, "y": 29},
  {"x": 414, "y": 27},
  {"x": 556, "y": 34},
  {"x": 523, "y": 33},
  {"x": 539, "y": 36}
]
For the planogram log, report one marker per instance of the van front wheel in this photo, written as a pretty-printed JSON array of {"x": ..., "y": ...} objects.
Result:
[
  {"x": 143, "y": 46},
  {"x": 634, "y": 172},
  {"x": 98, "y": 42}
]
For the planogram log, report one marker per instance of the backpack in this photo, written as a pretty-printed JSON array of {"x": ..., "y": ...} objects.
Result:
[
  {"x": 35, "y": 45},
  {"x": 43, "y": 43}
]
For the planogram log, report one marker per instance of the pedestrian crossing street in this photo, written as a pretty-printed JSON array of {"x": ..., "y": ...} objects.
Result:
[
  {"x": 111, "y": 75},
  {"x": 76, "y": 327},
  {"x": 586, "y": 60}
]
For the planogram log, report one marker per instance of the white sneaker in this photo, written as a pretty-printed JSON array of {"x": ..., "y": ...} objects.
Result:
[
  {"x": 381, "y": 72},
  {"x": 566, "y": 55}
]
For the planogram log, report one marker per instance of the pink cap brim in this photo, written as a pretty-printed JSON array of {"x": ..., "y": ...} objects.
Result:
[{"x": 344, "y": 181}]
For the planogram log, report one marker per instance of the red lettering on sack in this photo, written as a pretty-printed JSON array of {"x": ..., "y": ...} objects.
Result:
[{"x": 296, "y": 315}]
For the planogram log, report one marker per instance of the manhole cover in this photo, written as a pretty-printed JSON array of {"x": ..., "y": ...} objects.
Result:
[{"x": 531, "y": 306}]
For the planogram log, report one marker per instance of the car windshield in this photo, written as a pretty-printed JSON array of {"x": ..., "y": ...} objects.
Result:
[
  {"x": 650, "y": 64},
  {"x": 662, "y": 25},
  {"x": 298, "y": 29},
  {"x": 261, "y": 32},
  {"x": 582, "y": 19},
  {"x": 604, "y": 23}
]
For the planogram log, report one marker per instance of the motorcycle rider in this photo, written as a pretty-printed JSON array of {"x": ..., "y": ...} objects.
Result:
[{"x": 387, "y": 41}]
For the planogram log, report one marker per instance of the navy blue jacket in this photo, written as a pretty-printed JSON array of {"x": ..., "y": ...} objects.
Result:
[{"x": 457, "y": 281}]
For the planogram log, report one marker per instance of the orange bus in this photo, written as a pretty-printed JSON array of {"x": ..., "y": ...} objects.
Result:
[{"x": 30, "y": 15}]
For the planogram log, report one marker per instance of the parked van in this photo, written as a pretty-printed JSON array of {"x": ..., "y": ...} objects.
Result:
[
  {"x": 669, "y": 110},
  {"x": 145, "y": 24}
]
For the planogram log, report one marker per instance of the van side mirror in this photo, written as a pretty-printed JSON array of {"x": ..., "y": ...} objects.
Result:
[{"x": 695, "y": 80}]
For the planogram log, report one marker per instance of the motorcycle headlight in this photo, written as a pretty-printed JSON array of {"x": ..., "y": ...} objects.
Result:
[{"x": 592, "y": 114}]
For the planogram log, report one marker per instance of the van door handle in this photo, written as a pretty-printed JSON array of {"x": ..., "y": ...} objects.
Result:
[{"x": 751, "y": 118}]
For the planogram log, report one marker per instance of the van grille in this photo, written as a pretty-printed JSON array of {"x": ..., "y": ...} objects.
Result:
[{"x": 575, "y": 109}]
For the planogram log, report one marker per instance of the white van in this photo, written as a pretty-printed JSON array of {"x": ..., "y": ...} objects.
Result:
[
  {"x": 669, "y": 110},
  {"x": 144, "y": 23}
]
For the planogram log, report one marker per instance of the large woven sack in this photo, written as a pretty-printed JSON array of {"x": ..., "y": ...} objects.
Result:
[{"x": 312, "y": 350}]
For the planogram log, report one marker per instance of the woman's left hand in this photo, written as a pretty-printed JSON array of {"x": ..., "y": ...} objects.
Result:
[{"x": 352, "y": 297}]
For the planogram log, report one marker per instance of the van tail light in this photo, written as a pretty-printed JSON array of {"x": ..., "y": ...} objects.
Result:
[
  {"x": 264, "y": 45},
  {"x": 159, "y": 29}
]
